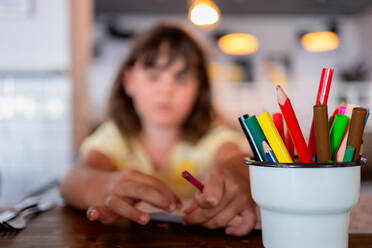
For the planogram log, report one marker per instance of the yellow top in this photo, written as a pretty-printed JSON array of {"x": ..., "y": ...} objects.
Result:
[
  {"x": 129, "y": 154},
  {"x": 273, "y": 136}
]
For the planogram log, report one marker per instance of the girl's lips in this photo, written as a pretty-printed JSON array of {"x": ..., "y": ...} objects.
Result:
[{"x": 163, "y": 107}]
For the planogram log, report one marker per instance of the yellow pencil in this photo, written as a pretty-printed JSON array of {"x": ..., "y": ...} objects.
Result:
[{"x": 274, "y": 139}]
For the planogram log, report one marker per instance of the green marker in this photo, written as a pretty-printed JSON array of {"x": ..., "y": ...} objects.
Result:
[
  {"x": 337, "y": 132},
  {"x": 257, "y": 154},
  {"x": 257, "y": 134},
  {"x": 349, "y": 154}
]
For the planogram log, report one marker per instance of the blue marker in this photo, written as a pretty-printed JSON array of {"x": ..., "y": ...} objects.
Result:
[{"x": 366, "y": 118}]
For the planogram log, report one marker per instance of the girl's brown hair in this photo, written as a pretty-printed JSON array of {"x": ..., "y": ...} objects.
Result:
[{"x": 145, "y": 48}]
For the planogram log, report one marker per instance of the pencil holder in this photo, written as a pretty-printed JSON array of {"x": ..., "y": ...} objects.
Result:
[{"x": 305, "y": 205}]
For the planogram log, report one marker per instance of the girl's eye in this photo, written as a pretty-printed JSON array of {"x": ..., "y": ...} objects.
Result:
[{"x": 182, "y": 79}]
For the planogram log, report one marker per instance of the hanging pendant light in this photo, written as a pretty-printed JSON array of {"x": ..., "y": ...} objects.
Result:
[
  {"x": 320, "y": 41},
  {"x": 238, "y": 43},
  {"x": 204, "y": 13},
  {"x": 323, "y": 38}
]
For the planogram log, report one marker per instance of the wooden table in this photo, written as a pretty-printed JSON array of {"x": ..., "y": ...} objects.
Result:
[{"x": 65, "y": 227}]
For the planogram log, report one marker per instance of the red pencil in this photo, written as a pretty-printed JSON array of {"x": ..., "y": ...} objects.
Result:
[
  {"x": 293, "y": 126},
  {"x": 289, "y": 143},
  {"x": 278, "y": 121},
  {"x": 193, "y": 180},
  {"x": 322, "y": 98}
]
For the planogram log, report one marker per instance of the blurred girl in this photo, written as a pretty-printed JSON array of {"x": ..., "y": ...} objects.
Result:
[{"x": 159, "y": 124}]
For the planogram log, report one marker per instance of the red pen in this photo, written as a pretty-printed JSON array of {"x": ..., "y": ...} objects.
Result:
[
  {"x": 322, "y": 98},
  {"x": 193, "y": 180},
  {"x": 293, "y": 126}
]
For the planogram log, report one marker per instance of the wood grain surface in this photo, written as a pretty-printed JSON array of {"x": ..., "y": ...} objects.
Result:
[{"x": 65, "y": 227}]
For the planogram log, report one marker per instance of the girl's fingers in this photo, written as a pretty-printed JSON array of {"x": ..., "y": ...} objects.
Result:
[
  {"x": 147, "y": 194},
  {"x": 125, "y": 210},
  {"x": 92, "y": 214},
  {"x": 102, "y": 214},
  {"x": 226, "y": 215},
  {"x": 192, "y": 208},
  {"x": 156, "y": 184},
  {"x": 212, "y": 192},
  {"x": 249, "y": 220},
  {"x": 202, "y": 215}
]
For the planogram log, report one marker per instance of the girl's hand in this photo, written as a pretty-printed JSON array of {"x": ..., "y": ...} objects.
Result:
[
  {"x": 126, "y": 189},
  {"x": 226, "y": 194}
]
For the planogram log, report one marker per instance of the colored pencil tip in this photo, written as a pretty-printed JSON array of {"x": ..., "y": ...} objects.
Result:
[
  {"x": 277, "y": 86},
  {"x": 185, "y": 173}
]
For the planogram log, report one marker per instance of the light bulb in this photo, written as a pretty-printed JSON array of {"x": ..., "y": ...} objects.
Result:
[
  {"x": 204, "y": 13},
  {"x": 320, "y": 41},
  {"x": 238, "y": 43}
]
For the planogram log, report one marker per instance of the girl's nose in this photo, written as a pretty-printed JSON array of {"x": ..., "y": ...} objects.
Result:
[{"x": 167, "y": 86}]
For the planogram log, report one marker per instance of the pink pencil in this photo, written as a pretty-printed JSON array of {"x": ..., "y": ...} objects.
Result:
[{"x": 193, "y": 180}]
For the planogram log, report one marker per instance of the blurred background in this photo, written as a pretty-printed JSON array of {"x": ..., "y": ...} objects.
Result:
[{"x": 58, "y": 60}]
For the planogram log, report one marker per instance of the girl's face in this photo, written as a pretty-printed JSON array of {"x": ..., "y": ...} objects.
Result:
[{"x": 162, "y": 96}]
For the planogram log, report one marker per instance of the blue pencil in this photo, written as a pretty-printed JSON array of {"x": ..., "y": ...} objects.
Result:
[{"x": 268, "y": 152}]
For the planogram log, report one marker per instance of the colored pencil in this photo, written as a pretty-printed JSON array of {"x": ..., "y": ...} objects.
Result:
[
  {"x": 293, "y": 126},
  {"x": 273, "y": 137},
  {"x": 322, "y": 98},
  {"x": 256, "y": 151},
  {"x": 341, "y": 151},
  {"x": 278, "y": 121},
  {"x": 193, "y": 180},
  {"x": 269, "y": 153},
  {"x": 236, "y": 221},
  {"x": 289, "y": 143}
]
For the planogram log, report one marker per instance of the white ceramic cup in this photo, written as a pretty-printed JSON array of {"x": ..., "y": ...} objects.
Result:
[{"x": 305, "y": 205}]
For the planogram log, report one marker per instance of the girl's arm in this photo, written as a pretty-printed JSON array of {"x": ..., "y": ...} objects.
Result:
[
  {"x": 93, "y": 183},
  {"x": 84, "y": 184}
]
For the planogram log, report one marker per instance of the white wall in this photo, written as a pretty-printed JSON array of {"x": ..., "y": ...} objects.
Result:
[
  {"x": 39, "y": 42},
  {"x": 35, "y": 132},
  {"x": 365, "y": 24}
]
